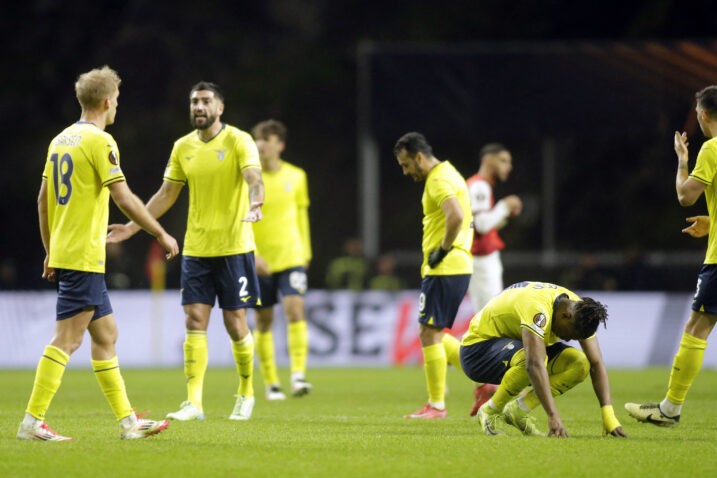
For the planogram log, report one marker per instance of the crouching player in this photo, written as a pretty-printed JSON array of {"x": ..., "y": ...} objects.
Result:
[{"x": 514, "y": 341}]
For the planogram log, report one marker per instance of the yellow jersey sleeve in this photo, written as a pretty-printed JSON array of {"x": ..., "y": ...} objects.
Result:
[
  {"x": 174, "y": 172},
  {"x": 706, "y": 165}
]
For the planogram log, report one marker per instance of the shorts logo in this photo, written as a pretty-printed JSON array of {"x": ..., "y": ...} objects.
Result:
[
  {"x": 113, "y": 158},
  {"x": 540, "y": 320},
  {"x": 297, "y": 281}
]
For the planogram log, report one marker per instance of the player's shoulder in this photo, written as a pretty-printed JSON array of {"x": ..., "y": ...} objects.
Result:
[
  {"x": 293, "y": 169},
  {"x": 477, "y": 179},
  {"x": 187, "y": 139},
  {"x": 710, "y": 145},
  {"x": 237, "y": 134}
]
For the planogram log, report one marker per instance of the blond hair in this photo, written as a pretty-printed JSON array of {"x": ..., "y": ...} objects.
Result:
[{"x": 93, "y": 87}]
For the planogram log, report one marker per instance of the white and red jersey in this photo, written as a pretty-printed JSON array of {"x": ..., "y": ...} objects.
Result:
[{"x": 488, "y": 217}]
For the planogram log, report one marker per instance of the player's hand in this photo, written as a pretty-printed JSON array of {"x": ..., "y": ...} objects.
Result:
[
  {"x": 262, "y": 267},
  {"x": 681, "y": 144},
  {"x": 436, "y": 256},
  {"x": 618, "y": 432},
  {"x": 556, "y": 428},
  {"x": 700, "y": 226},
  {"x": 254, "y": 214},
  {"x": 169, "y": 243},
  {"x": 514, "y": 204},
  {"x": 118, "y": 233},
  {"x": 47, "y": 271}
]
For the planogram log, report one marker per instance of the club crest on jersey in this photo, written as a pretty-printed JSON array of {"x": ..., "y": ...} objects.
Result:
[
  {"x": 113, "y": 158},
  {"x": 220, "y": 153},
  {"x": 540, "y": 320}
]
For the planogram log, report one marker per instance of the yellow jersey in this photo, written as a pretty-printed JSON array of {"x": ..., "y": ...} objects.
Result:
[
  {"x": 218, "y": 194},
  {"x": 705, "y": 172},
  {"x": 81, "y": 162},
  {"x": 444, "y": 182},
  {"x": 282, "y": 236},
  {"x": 525, "y": 305}
]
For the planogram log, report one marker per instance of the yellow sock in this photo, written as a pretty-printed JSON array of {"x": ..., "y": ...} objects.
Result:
[
  {"x": 298, "y": 341},
  {"x": 196, "y": 356},
  {"x": 686, "y": 365},
  {"x": 514, "y": 381},
  {"x": 452, "y": 346},
  {"x": 265, "y": 352},
  {"x": 244, "y": 357},
  {"x": 48, "y": 377},
  {"x": 565, "y": 371},
  {"x": 112, "y": 385},
  {"x": 434, "y": 364}
]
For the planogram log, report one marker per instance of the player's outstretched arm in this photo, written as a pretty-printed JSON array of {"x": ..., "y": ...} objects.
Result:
[
  {"x": 601, "y": 386},
  {"x": 700, "y": 226},
  {"x": 134, "y": 209},
  {"x": 538, "y": 374},
  {"x": 252, "y": 176},
  {"x": 47, "y": 271},
  {"x": 158, "y": 204},
  {"x": 688, "y": 189}
]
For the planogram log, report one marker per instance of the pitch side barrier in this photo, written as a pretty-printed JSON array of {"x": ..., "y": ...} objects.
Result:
[{"x": 346, "y": 329}]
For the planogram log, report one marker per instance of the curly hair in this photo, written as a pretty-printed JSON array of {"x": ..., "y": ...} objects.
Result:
[{"x": 589, "y": 313}]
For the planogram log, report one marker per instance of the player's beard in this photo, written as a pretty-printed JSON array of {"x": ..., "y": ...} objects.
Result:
[{"x": 209, "y": 120}]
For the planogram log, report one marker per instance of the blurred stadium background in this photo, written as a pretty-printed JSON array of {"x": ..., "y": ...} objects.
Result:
[{"x": 586, "y": 96}]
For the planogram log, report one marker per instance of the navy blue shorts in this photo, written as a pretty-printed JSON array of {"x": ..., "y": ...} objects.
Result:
[
  {"x": 231, "y": 279},
  {"x": 705, "y": 299},
  {"x": 78, "y": 290},
  {"x": 291, "y": 281},
  {"x": 488, "y": 360},
  {"x": 440, "y": 298}
]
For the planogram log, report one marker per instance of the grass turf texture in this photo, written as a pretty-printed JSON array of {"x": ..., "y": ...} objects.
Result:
[{"x": 351, "y": 425}]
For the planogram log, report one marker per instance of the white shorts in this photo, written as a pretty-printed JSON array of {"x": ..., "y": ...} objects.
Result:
[{"x": 487, "y": 279}]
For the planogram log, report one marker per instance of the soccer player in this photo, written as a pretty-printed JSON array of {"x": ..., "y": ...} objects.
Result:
[
  {"x": 446, "y": 267},
  {"x": 514, "y": 341},
  {"x": 220, "y": 164},
  {"x": 283, "y": 246},
  {"x": 496, "y": 163},
  {"x": 688, "y": 360},
  {"x": 81, "y": 173}
]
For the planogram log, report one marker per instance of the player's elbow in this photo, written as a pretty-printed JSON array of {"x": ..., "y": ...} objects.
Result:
[{"x": 686, "y": 200}]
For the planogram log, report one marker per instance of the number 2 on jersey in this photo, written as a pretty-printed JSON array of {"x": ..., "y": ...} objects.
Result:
[{"x": 61, "y": 177}]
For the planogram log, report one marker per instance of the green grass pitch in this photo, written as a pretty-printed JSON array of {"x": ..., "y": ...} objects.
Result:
[{"x": 351, "y": 425}]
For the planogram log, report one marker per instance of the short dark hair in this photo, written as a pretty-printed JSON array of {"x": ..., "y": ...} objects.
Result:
[
  {"x": 413, "y": 143},
  {"x": 266, "y": 128},
  {"x": 589, "y": 313},
  {"x": 707, "y": 100},
  {"x": 491, "y": 148},
  {"x": 208, "y": 86}
]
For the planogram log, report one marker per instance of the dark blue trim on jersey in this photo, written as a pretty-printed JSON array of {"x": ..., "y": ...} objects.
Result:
[
  {"x": 555, "y": 303},
  {"x": 224, "y": 125}
]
